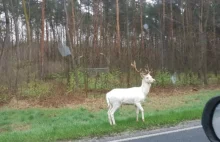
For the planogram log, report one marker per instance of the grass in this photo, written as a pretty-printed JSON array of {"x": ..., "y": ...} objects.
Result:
[{"x": 67, "y": 124}]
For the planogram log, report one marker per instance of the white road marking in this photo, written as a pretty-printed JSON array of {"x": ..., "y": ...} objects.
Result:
[{"x": 158, "y": 134}]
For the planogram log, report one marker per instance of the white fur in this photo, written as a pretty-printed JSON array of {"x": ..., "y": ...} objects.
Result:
[{"x": 133, "y": 96}]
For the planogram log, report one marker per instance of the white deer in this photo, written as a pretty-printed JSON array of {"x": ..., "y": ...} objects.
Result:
[{"x": 131, "y": 96}]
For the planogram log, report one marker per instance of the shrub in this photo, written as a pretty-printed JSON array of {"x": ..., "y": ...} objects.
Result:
[
  {"x": 35, "y": 89},
  {"x": 188, "y": 78},
  {"x": 163, "y": 78}
]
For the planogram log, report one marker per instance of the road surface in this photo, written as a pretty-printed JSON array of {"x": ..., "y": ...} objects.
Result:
[
  {"x": 192, "y": 134},
  {"x": 185, "y": 132}
]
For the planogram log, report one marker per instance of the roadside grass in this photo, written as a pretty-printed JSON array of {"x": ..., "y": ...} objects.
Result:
[{"x": 67, "y": 124}]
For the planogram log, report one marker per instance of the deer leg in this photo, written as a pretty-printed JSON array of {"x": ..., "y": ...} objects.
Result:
[
  {"x": 109, "y": 114},
  {"x": 113, "y": 110},
  {"x": 137, "y": 113},
  {"x": 141, "y": 109}
]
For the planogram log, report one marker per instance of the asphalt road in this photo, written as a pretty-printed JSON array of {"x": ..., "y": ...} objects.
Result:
[
  {"x": 193, "y": 135},
  {"x": 190, "y": 131}
]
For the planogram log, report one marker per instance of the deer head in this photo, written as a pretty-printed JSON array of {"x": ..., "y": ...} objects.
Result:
[{"x": 145, "y": 75}]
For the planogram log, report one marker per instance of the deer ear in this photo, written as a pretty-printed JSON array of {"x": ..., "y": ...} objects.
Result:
[{"x": 142, "y": 75}]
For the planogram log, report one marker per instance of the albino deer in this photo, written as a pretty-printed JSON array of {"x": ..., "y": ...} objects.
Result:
[{"x": 132, "y": 96}]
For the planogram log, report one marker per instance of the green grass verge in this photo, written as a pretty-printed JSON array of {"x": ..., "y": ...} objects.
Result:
[{"x": 66, "y": 124}]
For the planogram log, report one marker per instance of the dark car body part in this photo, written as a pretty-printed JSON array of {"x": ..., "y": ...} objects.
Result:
[{"x": 207, "y": 117}]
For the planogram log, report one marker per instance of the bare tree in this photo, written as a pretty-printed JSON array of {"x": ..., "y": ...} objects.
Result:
[
  {"x": 73, "y": 62},
  {"x": 203, "y": 38},
  {"x": 6, "y": 41},
  {"x": 27, "y": 21},
  {"x": 42, "y": 39},
  {"x": 95, "y": 24},
  {"x": 214, "y": 39},
  {"x": 73, "y": 23},
  {"x": 171, "y": 37},
  {"x": 118, "y": 37},
  {"x": 141, "y": 21},
  {"x": 15, "y": 15},
  {"x": 7, "y": 33},
  {"x": 28, "y": 35}
]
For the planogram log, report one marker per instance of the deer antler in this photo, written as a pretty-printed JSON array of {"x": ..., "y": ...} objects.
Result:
[
  {"x": 148, "y": 70},
  {"x": 134, "y": 66}
]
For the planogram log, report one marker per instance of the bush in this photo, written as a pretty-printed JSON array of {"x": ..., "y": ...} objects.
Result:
[
  {"x": 102, "y": 81},
  {"x": 188, "y": 78},
  {"x": 162, "y": 78},
  {"x": 117, "y": 79},
  {"x": 35, "y": 89},
  {"x": 3, "y": 94}
]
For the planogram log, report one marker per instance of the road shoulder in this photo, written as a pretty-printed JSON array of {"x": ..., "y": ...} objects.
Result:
[{"x": 129, "y": 134}]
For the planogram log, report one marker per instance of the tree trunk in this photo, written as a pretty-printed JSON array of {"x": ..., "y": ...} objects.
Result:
[
  {"x": 203, "y": 40},
  {"x": 7, "y": 35},
  {"x": 95, "y": 23},
  {"x": 28, "y": 36},
  {"x": 27, "y": 21},
  {"x": 214, "y": 41},
  {"x": 73, "y": 23},
  {"x": 42, "y": 40},
  {"x": 184, "y": 40},
  {"x": 141, "y": 21},
  {"x": 171, "y": 37},
  {"x": 128, "y": 47},
  {"x": 15, "y": 19},
  {"x": 6, "y": 42},
  {"x": 73, "y": 62},
  {"x": 162, "y": 32},
  {"x": 118, "y": 37}
]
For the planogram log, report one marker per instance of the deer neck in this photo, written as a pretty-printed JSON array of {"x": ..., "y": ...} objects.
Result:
[{"x": 145, "y": 87}]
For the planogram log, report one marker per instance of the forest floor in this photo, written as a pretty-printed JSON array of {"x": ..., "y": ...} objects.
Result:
[{"x": 95, "y": 101}]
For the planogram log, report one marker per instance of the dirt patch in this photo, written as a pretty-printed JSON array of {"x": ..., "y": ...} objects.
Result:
[
  {"x": 20, "y": 127},
  {"x": 14, "y": 103},
  {"x": 97, "y": 100},
  {"x": 15, "y": 127},
  {"x": 91, "y": 104},
  {"x": 61, "y": 101},
  {"x": 183, "y": 90},
  {"x": 162, "y": 103},
  {"x": 47, "y": 102}
]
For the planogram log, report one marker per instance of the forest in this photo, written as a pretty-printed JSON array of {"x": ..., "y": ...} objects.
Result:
[
  {"x": 90, "y": 44},
  {"x": 59, "y": 59}
]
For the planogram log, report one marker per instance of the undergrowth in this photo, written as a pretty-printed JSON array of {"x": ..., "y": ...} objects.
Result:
[{"x": 103, "y": 81}]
